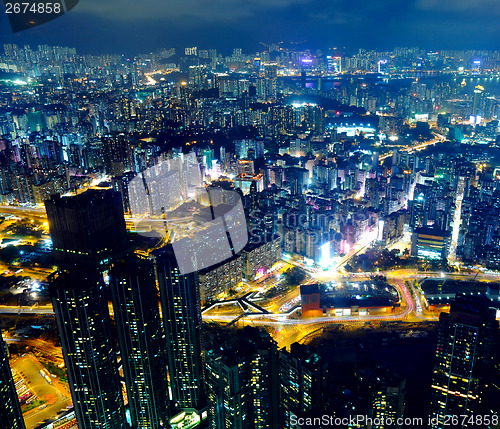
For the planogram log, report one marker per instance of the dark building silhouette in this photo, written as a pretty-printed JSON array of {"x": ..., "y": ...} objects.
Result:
[
  {"x": 181, "y": 312},
  {"x": 86, "y": 228},
  {"x": 141, "y": 341},
  {"x": 464, "y": 360},
  {"x": 84, "y": 326},
  {"x": 10, "y": 410}
]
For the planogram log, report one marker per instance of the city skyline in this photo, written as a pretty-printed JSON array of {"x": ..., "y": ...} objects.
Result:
[
  {"x": 284, "y": 237},
  {"x": 97, "y": 28}
]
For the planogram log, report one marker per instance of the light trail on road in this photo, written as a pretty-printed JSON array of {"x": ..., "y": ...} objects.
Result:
[
  {"x": 457, "y": 219},
  {"x": 418, "y": 147}
]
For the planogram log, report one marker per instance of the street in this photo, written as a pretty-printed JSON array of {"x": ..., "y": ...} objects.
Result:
[{"x": 55, "y": 394}]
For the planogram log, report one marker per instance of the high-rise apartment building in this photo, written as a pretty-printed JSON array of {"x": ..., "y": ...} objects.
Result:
[
  {"x": 86, "y": 228},
  {"x": 242, "y": 382},
  {"x": 464, "y": 360},
  {"x": 83, "y": 321},
  {"x": 181, "y": 312},
  {"x": 10, "y": 411},
  {"x": 141, "y": 341},
  {"x": 303, "y": 382}
]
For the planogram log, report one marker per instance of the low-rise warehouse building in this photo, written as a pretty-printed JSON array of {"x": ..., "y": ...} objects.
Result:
[
  {"x": 349, "y": 298},
  {"x": 438, "y": 294}
]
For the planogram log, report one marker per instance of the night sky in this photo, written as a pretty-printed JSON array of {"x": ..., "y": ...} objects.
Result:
[{"x": 133, "y": 26}]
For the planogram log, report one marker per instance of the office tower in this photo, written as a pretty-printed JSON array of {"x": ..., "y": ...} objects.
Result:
[
  {"x": 242, "y": 381},
  {"x": 141, "y": 341},
  {"x": 86, "y": 228},
  {"x": 418, "y": 208},
  {"x": 432, "y": 243},
  {"x": 10, "y": 410},
  {"x": 303, "y": 382},
  {"x": 83, "y": 322},
  {"x": 181, "y": 312},
  {"x": 464, "y": 360}
]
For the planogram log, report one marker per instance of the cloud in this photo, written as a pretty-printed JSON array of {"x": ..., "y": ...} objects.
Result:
[
  {"x": 336, "y": 17},
  {"x": 213, "y": 10},
  {"x": 133, "y": 26},
  {"x": 486, "y": 7}
]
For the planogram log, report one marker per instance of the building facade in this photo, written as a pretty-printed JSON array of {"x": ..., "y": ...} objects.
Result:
[
  {"x": 220, "y": 278},
  {"x": 84, "y": 326},
  {"x": 86, "y": 228},
  {"x": 464, "y": 360},
  {"x": 258, "y": 257},
  {"x": 141, "y": 341},
  {"x": 10, "y": 410},
  {"x": 243, "y": 383},
  {"x": 181, "y": 311}
]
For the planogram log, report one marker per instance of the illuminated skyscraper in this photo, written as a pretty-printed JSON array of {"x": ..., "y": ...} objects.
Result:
[
  {"x": 86, "y": 230},
  {"x": 303, "y": 382},
  {"x": 141, "y": 340},
  {"x": 242, "y": 381},
  {"x": 387, "y": 397},
  {"x": 115, "y": 154},
  {"x": 10, "y": 411},
  {"x": 181, "y": 310},
  {"x": 464, "y": 360},
  {"x": 84, "y": 326},
  {"x": 419, "y": 208}
]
